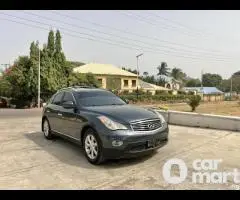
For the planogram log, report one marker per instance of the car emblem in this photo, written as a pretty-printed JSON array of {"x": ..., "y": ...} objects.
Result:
[{"x": 151, "y": 126}]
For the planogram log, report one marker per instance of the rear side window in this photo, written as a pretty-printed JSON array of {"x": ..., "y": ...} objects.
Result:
[
  {"x": 57, "y": 99},
  {"x": 67, "y": 97}
]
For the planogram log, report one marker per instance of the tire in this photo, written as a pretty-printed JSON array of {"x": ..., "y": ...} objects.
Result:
[
  {"x": 93, "y": 153},
  {"x": 47, "y": 130}
]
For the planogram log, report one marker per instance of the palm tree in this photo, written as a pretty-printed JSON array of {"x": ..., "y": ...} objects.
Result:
[
  {"x": 163, "y": 69},
  {"x": 145, "y": 73},
  {"x": 177, "y": 73}
]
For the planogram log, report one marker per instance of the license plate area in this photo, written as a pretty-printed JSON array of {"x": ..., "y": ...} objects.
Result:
[
  {"x": 153, "y": 143},
  {"x": 150, "y": 143}
]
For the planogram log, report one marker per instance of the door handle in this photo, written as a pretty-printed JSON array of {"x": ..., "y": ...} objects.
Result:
[{"x": 60, "y": 114}]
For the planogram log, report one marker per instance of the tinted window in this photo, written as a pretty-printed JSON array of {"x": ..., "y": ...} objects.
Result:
[
  {"x": 67, "y": 97},
  {"x": 98, "y": 98},
  {"x": 57, "y": 99}
]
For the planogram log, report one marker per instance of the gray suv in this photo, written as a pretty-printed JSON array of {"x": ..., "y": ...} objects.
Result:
[{"x": 104, "y": 124}]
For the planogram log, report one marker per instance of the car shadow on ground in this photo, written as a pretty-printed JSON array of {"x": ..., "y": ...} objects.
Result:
[{"x": 73, "y": 154}]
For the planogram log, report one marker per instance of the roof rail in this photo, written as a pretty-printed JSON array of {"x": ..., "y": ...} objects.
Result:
[{"x": 78, "y": 86}]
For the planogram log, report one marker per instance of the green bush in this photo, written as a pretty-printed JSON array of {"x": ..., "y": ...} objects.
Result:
[
  {"x": 145, "y": 97},
  {"x": 191, "y": 92},
  {"x": 125, "y": 92},
  {"x": 140, "y": 92},
  {"x": 194, "y": 101},
  {"x": 182, "y": 92},
  {"x": 161, "y": 92},
  {"x": 170, "y": 92}
]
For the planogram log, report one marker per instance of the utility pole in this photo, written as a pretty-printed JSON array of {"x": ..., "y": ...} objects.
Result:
[
  {"x": 39, "y": 78},
  {"x": 202, "y": 96},
  {"x": 138, "y": 71},
  {"x": 202, "y": 79},
  {"x": 231, "y": 89}
]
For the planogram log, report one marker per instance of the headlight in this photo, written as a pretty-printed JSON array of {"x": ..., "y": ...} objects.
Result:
[
  {"x": 110, "y": 124},
  {"x": 161, "y": 117}
]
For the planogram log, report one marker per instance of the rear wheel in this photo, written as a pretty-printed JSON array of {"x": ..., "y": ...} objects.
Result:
[
  {"x": 92, "y": 147},
  {"x": 47, "y": 130}
]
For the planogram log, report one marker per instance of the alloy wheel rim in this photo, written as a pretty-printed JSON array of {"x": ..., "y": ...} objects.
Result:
[
  {"x": 46, "y": 128},
  {"x": 91, "y": 146}
]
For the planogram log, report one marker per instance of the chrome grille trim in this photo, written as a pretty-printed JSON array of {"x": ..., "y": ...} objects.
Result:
[{"x": 146, "y": 125}]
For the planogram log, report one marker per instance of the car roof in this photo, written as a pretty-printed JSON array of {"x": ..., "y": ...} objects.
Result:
[{"x": 81, "y": 88}]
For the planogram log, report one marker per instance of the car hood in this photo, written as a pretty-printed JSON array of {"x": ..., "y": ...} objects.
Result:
[{"x": 124, "y": 113}]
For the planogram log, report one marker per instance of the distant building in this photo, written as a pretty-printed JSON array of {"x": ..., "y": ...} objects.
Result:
[
  {"x": 171, "y": 83},
  {"x": 207, "y": 93},
  {"x": 110, "y": 76},
  {"x": 148, "y": 87},
  {"x": 114, "y": 78}
]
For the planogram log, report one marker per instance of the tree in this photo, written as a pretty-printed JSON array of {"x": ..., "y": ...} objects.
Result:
[
  {"x": 211, "y": 80},
  {"x": 226, "y": 84},
  {"x": 193, "y": 83},
  {"x": 51, "y": 43},
  {"x": 129, "y": 69},
  {"x": 75, "y": 64},
  {"x": 177, "y": 73},
  {"x": 82, "y": 79},
  {"x": 236, "y": 73},
  {"x": 56, "y": 72},
  {"x": 18, "y": 78},
  {"x": 145, "y": 73},
  {"x": 163, "y": 69},
  {"x": 58, "y": 44},
  {"x": 32, "y": 70},
  {"x": 149, "y": 79},
  {"x": 5, "y": 87},
  {"x": 194, "y": 102},
  {"x": 161, "y": 82},
  {"x": 60, "y": 64}
]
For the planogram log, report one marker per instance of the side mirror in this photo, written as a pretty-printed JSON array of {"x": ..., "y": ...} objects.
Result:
[{"x": 68, "y": 105}]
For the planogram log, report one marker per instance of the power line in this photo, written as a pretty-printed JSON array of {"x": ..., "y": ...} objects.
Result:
[
  {"x": 135, "y": 34},
  {"x": 177, "y": 23},
  {"x": 121, "y": 42},
  {"x": 125, "y": 38},
  {"x": 200, "y": 33},
  {"x": 146, "y": 20},
  {"x": 107, "y": 42}
]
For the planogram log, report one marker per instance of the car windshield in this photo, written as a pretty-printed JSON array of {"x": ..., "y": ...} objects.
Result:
[{"x": 98, "y": 98}]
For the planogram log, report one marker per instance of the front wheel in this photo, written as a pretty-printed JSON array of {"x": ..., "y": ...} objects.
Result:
[
  {"x": 92, "y": 147},
  {"x": 47, "y": 130}
]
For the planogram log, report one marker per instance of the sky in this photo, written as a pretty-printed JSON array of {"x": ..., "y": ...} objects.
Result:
[{"x": 194, "y": 41}]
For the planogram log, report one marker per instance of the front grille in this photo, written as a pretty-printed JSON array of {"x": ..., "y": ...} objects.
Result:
[{"x": 146, "y": 125}]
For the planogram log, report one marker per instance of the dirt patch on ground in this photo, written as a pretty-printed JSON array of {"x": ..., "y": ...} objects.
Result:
[{"x": 231, "y": 108}]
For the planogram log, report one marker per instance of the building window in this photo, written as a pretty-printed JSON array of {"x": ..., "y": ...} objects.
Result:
[
  {"x": 125, "y": 83},
  {"x": 100, "y": 81},
  {"x": 133, "y": 83}
]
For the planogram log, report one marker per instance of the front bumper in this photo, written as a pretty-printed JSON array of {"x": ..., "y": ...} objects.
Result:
[{"x": 134, "y": 143}]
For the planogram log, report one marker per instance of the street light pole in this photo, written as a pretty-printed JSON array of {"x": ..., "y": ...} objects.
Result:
[
  {"x": 39, "y": 78},
  {"x": 138, "y": 71}
]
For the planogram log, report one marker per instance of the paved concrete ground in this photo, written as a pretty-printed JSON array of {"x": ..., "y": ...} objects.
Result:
[{"x": 27, "y": 160}]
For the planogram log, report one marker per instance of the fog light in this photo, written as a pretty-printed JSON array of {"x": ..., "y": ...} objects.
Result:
[{"x": 117, "y": 143}]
